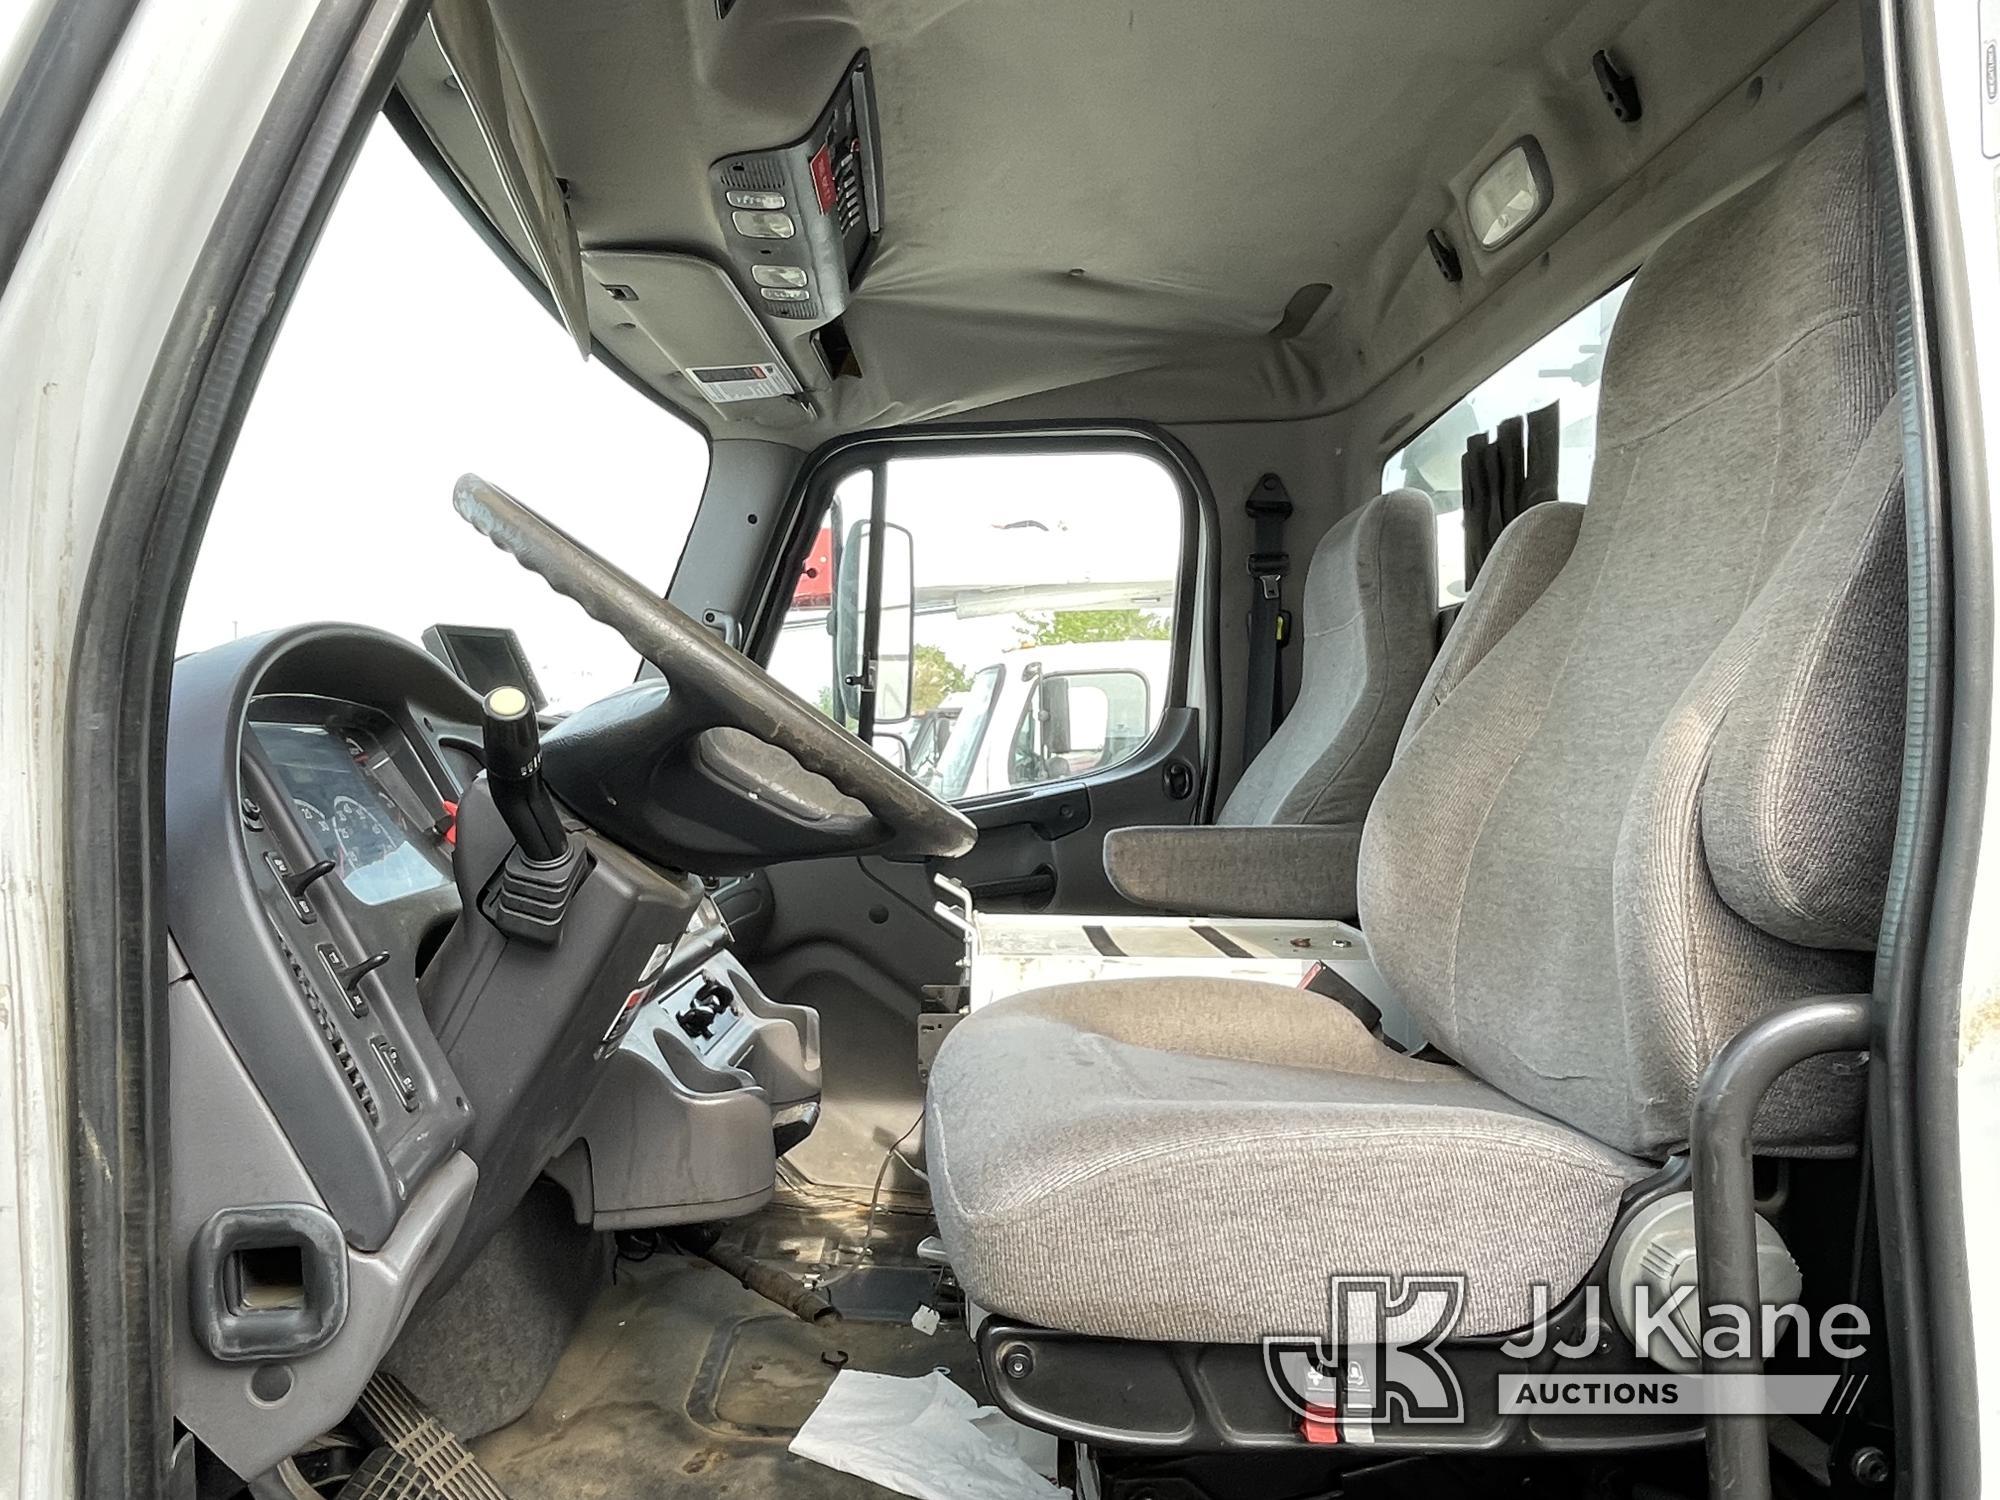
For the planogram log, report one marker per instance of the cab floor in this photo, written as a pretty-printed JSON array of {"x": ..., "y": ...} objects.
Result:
[{"x": 681, "y": 1382}]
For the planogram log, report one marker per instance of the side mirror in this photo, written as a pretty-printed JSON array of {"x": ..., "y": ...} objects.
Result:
[
  {"x": 895, "y": 654},
  {"x": 895, "y": 647},
  {"x": 892, "y": 749}
]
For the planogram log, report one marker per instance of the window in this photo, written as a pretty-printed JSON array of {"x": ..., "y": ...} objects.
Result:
[
  {"x": 1037, "y": 622},
  {"x": 411, "y": 355},
  {"x": 1566, "y": 365}
]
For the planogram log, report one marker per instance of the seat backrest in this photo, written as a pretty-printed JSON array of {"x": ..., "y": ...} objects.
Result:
[
  {"x": 1369, "y": 607},
  {"x": 1663, "y": 802}
]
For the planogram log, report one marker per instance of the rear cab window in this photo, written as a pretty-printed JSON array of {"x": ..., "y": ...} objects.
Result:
[
  {"x": 1044, "y": 607},
  {"x": 1567, "y": 365}
]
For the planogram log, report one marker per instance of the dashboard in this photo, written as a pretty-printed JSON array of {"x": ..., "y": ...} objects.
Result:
[{"x": 370, "y": 1066}]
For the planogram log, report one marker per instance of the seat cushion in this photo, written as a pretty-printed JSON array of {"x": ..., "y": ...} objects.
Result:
[{"x": 1190, "y": 1158}]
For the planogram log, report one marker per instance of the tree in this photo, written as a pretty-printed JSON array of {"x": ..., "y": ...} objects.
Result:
[
  {"x": 933, "y": 678},
  {"x": 1065, "y": 627}
]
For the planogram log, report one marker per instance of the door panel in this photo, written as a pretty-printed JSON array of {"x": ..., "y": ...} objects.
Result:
[{"x": 1042, "y": 848}]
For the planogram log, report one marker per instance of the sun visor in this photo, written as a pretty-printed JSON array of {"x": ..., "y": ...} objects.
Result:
[
  {"x": 691, "y": 310},
  {"x": 478, "y": 56}
]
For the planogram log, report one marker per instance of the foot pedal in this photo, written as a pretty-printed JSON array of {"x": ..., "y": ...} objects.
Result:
[{"x": 419, "y": 1458}]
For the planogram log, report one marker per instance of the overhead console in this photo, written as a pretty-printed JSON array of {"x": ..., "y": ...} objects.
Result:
[
  {"x": 800, "y": 221},
  {"x": 798, "y": 224}
]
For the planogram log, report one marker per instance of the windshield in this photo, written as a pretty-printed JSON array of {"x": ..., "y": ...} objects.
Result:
[
  {"x": 411, "y": 355},
  {"x": 955, "y": 768}
]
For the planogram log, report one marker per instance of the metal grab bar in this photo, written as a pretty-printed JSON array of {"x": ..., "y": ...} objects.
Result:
[{"x": 1725, "y": 1213}]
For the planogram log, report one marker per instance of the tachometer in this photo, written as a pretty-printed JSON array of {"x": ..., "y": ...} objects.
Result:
[{"x": 363, "y": 837}]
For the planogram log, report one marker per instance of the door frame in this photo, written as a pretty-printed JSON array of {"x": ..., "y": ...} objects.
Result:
[{"x": 1197, "y": 633}]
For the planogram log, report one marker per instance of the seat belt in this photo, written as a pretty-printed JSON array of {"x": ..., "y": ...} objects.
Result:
[{"x": 1269, "y": 507}]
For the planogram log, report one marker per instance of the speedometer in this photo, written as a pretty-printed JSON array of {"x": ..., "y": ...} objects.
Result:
[
  {"x": 319, "y": 831},
  {"x": 363, "y": 837}
]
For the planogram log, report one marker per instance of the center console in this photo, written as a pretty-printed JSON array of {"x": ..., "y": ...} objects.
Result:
[{"x": 705, "y": 1082}]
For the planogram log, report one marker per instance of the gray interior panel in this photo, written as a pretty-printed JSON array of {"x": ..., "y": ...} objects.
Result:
[{"x": 254, "y": 1413}]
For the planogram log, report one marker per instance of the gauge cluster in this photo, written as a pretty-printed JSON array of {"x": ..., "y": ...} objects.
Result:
[{"x": 355, "y": 792}]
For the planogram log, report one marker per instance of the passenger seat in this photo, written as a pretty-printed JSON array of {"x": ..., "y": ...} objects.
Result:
[{"x": 1287, "y": 842}]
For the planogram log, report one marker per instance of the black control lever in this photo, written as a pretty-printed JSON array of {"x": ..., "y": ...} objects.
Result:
[
  {"x": 300, "y": 881},
  {"x": 514, "y": 772},
  {"x": 529, "y": 898}
]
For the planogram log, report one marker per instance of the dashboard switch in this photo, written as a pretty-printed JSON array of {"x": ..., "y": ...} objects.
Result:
[
  {"x": 294, "y": 883},
  {"x": 349, "y": 976},
  {"x": 711, "y": 1002},
  {"x": 391, "y": 1058}
]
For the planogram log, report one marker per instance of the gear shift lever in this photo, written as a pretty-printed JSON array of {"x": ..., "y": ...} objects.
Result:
[
  {"x": 514, "y": 772},
  {"x": 529, "y": 896}
]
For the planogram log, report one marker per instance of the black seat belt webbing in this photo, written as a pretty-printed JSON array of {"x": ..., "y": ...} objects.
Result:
[{"x": 1269, "y": 507}]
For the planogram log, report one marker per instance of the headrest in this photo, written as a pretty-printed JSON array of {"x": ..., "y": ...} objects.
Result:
[{"x": 1726, "y": 296}]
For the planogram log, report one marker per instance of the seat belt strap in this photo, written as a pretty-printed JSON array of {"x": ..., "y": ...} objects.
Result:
[{"x": 1268, "y": 507}]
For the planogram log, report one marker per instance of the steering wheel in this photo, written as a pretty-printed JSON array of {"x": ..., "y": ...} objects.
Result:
[{"x": 718, "y": 766}]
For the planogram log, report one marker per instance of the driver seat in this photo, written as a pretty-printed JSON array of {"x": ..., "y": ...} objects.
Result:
[{"x": 1660, "y": 805}]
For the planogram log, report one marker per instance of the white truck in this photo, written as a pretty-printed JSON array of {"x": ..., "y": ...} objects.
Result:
[{"x": 1046, "y": 713}]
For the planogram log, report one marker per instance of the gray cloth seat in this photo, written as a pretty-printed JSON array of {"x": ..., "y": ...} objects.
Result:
[
  {"x": 1189, "y": 1159},
  {"x": 1370, "y": 628},
  {"x": 1655, "y": 806}
]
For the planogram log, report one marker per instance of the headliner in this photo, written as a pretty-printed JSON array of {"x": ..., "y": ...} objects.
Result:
[{"x": 1122, "y": 197}]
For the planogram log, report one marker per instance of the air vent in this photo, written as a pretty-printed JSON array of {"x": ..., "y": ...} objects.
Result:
[
  {"x": 848, "y": 203},
  {"x": 331, "y": 1034},
  {"x": 758, "y": 174}
]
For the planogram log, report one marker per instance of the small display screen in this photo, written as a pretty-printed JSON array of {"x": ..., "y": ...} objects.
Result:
[{"x": 353, "y": 804}]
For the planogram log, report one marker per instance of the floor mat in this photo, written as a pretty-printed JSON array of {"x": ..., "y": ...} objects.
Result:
[{"x": 681, "y": 1382}]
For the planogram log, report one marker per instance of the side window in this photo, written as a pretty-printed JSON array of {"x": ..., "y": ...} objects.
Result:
[
  {"x": 1566, "y": 365},
  {"x": 1027, "y": 638}
]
